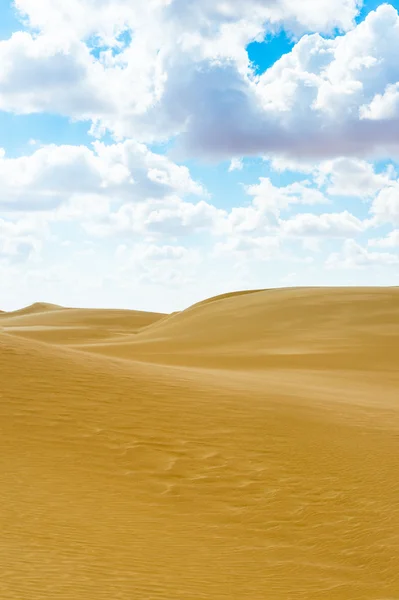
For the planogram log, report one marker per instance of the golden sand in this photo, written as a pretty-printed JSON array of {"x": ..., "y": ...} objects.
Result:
[{"x": 247, "y": 448}]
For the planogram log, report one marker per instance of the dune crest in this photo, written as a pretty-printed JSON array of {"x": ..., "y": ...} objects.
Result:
[
  {"x": 186, "y": 457},
  {"x": 340, "y": 328},
  {"x": 77, "y": 325},
  {"x": 36, "y": 307}
]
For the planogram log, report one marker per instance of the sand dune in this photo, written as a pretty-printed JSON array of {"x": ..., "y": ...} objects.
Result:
[
  {"x": 307, "y": 328},
  {"x": 37, "y": 307},
  {"x": 254, "y": 455},
  {"x": 71, "y": 325}
]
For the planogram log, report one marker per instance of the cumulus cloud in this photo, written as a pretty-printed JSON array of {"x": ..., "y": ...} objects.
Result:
[
  {"x": 354, "y": 255},
  {"x": 42, "y": 75},
  {"x": 390, "y": 241},
  {"x": 385, "y": 206},
  {"x": 236, "y": 164},
  {"x": 309, "y": 104},
  {"x": 170, "y": 216},
  {"x": 19, "y": 240},
  {"x": 125, "y": 190},
  {"x": 383, "y": 106},
  {"x": 311, "y": 98},
  {"x": 268, "y": 202},
  {"x": 139, "y": 253},
  {"x": 333, "y": 225},
  {"x": 55, "y": 175},
  {"x": 353, "y": 177},
  {"x": 107, "y": 18},
  {"x": 177, "y": 68},
  {"x": 274, "y": 199},
  {"x": 249, "y": 248},
  {"x": 158, "y": 263}
]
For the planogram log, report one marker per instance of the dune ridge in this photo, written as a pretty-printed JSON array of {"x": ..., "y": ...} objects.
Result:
[
  {"x": 36, "y": 307},
  {"x": 246, "y": 448},
  {"x": 304, "y": 327},
  {"x": 74, "y": 325}
]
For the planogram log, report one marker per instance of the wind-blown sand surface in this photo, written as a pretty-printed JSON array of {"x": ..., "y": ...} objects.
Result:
[{"x": 247, "y": 448}]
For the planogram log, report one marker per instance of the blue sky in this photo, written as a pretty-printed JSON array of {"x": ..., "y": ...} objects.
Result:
[
  {"x": 150, "y": 161},
  {"x": 9, "y": 21}
]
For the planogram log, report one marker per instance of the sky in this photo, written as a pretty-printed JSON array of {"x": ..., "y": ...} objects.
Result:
[{"x": 153, "y": 155}]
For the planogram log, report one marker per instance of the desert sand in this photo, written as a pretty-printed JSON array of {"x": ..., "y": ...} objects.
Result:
[{"x": 246, "y": 448}]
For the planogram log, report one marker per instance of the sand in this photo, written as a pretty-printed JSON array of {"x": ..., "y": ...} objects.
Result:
[{"x": 246, "y": 448}]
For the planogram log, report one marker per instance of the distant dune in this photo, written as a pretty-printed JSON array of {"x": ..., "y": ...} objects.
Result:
[
  {"x": 312, "y": 328},
  {"x": 37, "y": 307},
  {"x": 246, "y": 448},
  {"x": 74, "y": 325}
]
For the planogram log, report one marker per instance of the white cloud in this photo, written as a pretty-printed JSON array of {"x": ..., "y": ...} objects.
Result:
[
  {"x": 294, "y": 165},
  {"x": 342, "y": 176},
  {"x": 185, "y": 72},
  {"x": 270, "y": 198},
  {"x": 42, "y": 75},
  {"x": 19, "y": 240},
  {"x": 390, "y": 241},
  {"x": 383, "y": 106},
  {"x": 170, "y": 216},
  {"x": 150, "y": 253},
  {"x": 385, "y": 206},
  {"x": 157, "y": 264},
  {"x": 249, "y": 248},
  {"x": 329, "y": 225},
  {"x": 268, "y": 202},
  {"x": 54, "y": 175},
  {"x": 353, "y": 177},
  {"x": 107, "y": 18},
  {"x": 236, "y": 165},
  {"x": 353, "y": 255},
  {"x": 308, "y": 104}
]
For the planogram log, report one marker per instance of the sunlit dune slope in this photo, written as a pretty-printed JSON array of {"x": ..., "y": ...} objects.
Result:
[
  {"x": 71, "y": 325},
  {"x": 122, "y": 480},
  {"x": 227, "y": 296},
  {"x": 37, "y": 307},
  {"x": 344, "y": 328}
]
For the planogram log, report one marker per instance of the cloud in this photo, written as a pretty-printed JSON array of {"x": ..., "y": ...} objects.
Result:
[
  {"x": 390, "y": 241},
  {"x": 180, "y": 69},
  {"x": 268, "y": 202},
  {"x": 56, "y": 175},
  {"x": 19, "y": 240},
  {"x": 333, "y": 225},
  {"x": 342, "y": 176},
  {"x": 244, "y": 249},
  {"x": 274, "y": 199},
  {"x": 139, "y": 253},
  {"x": 309, "y": 104},
  {"x": 236, "y": 165},
  {"x": 158, "y": 263},
  {"x": 385, "y": 206},
  {"x": 170, "y": 217},
  {"x": 353, "y": 177},
  {"x": 383, "y": 106},
  {"x": 249, "y": 248},
  {"x": 108, "y": 18},
  {"x": 38, "y": 74},
  {"x": 353, "y": 255}
]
